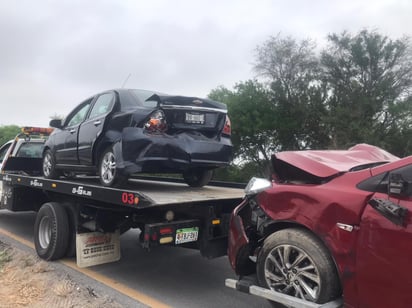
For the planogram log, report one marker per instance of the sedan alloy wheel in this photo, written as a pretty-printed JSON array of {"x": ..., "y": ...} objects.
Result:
[
  {"x": 108, "y": 168},
  {"x": 108, "y": 172},
  {"x": 290, "y": 270},
  {"x": 49, "y": 166},
  {"x": 296, "y": 263}
]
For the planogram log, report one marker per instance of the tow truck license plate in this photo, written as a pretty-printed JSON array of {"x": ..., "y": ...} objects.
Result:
[
  {"x": 186, "y": 235},
  {"x": 195, "y": 118}
]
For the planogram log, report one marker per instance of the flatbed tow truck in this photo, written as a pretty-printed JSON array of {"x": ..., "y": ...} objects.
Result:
[{"x": 79, "y": 217}]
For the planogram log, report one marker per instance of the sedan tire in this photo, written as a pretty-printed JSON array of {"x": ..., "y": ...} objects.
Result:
[
  {"x": 197, "y": 177},
  {"x": 108, "y": 172},
  {"x": 294, "y": 262},
  {"x": 49, "y": 166}
]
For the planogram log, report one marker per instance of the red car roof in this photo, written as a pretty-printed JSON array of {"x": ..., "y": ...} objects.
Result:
[{"x": 325, "y": 163}]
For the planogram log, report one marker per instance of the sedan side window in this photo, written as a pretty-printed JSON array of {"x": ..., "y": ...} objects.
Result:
[
  {"x": 102, "y": 105},
  {"x": 79, "y": 116},
  {"x": 380, "y": 182},
  {"x": 377, "y": 183}
]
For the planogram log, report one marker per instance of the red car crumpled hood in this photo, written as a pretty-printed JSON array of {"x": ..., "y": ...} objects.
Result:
[{"x": 327, "y": 163}]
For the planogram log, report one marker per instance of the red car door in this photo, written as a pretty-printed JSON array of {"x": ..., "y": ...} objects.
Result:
[{"x": 384, "y": 251}]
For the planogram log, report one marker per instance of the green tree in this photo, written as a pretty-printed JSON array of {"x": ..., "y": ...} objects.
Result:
[
  {"x": 293, "y": 73},
  {"x": 369, "y": 79},
  {"x": 239, "y": 173},
  {"x": 253, "y": 122},
  {"x": 8, "y": 132},
  {"x": 357, "y": 89}
]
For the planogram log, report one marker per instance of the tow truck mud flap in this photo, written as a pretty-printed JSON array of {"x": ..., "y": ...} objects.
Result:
[
  {"x": 93, "y": 248},
  {"x": 277, "y": 297}
]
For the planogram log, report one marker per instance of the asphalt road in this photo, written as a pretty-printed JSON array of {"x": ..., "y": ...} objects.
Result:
[{"x": 175, "y": 277}]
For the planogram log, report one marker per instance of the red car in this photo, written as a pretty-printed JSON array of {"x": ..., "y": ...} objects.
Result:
[{"x": 330, "y": 224}]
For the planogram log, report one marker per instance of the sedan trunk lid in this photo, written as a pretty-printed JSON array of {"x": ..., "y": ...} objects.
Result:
[{"x": 192, "y": 113}]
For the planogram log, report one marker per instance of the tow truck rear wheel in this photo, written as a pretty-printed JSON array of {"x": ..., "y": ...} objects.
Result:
[
  {"x": 51, "y": 231},
  {"x": 73, "y": 223},
  {"x": 296, "y": 263}
]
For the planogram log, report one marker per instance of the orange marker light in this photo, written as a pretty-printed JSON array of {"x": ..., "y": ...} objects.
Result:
[
  {"x": 37, "y": 130},
  {"x": 216, "y": 222}
]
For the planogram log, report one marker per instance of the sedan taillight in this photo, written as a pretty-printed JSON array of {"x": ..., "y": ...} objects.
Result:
[
  {"x": 227, "y": 129},
  {"x": 157, "y": 122}
]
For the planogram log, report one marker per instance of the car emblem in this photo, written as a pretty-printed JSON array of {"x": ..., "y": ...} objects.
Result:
[{"x": 197, "y": 102}]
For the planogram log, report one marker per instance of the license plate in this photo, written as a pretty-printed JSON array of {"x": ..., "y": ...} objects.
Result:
[
  {"x": 195, "y": 118},
  {"x": 186, "y": 235}
]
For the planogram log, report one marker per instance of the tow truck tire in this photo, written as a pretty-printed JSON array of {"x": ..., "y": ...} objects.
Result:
[
  {"x": 51, "y": 231},
  {"x": 197, "y": 177},
  {"x": 73, "y": 222},
  {"x": 295, "y": 262},
  {"x": 108, "y": 173},
  {"x": 49, "y": 166}
]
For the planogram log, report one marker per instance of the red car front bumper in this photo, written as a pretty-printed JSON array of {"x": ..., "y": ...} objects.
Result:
[{"x": 238, "y": 243}]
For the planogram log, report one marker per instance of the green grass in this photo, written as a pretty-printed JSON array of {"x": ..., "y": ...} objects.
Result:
[{"x": 4, "y": 255}]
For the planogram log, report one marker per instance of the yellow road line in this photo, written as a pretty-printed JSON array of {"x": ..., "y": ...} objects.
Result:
[
  {"x": 143, "y": 298},
  {"x": 136, "y": 295},
  {"x": 17, "y": 238}
]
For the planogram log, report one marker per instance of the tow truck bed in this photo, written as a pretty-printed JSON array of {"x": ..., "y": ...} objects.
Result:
[
  {"x": 177, "y": 193},
  {"x": 167, "y": 213},
  {"x": 150, "y": 193}
]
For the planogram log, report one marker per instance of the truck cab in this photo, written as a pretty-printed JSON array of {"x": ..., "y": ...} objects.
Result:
[
  {"x": 22, "y": 148},
  {"x": 26, "y": 149}
]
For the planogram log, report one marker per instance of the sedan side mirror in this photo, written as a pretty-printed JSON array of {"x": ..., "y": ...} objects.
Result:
[
  {"x": 57, "y": 123},
  {"x": 398, "y": 186}
]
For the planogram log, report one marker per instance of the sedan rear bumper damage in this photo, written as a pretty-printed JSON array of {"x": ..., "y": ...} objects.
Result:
[{"x": 173, "y": 153}]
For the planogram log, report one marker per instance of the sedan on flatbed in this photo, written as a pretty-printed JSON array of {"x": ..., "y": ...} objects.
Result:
[{"x": 126, "y": 131}]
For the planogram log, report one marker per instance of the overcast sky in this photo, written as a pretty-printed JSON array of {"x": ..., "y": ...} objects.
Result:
[{"x": 54, "y": 54}]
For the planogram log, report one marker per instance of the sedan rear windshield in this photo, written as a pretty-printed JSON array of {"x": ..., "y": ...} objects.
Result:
[{"x": 143, "y": 95}]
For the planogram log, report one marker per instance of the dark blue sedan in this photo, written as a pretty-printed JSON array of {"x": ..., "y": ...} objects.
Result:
[{"x": 126, "y": 131}]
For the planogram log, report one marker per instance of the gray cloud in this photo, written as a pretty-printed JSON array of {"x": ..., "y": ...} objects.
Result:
[{"x": 56, "y": 53}]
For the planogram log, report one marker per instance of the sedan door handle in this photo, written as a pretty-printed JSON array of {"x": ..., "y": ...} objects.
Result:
[
  {"x": 72, "y": 131},
  {"x": 98, "y": 122}
]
